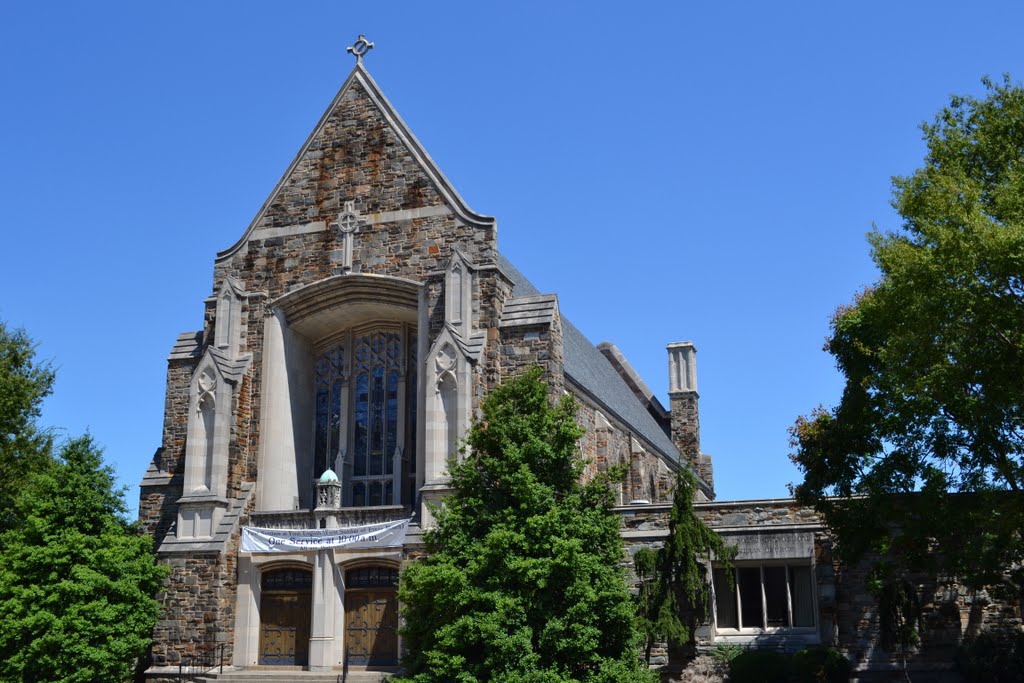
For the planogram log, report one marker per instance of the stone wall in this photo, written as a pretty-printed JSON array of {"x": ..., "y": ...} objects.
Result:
[
  {"x": 685, "y": 421},
  {"x": 198, "y": 603},
  {"x": 494, "y": 290},
  {"x": 523, "y": 347},
  {"x": 949, "y": 613},
  {"x": 607, "y": 443},
  {"x": 192, "y": 608},
  {"x": 163, "y": 485}
]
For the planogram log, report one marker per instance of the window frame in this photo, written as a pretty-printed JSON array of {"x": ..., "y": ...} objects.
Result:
[{"x": 743, "y": 630}]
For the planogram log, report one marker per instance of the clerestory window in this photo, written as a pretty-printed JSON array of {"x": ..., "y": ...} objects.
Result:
[
  {"x": 764, "y": 597},
  {"x": 366, "y": 412}
]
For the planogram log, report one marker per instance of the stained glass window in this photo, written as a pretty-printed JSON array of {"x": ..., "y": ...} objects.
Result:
[
  {"x": 372, "y": 399},
  {"x": 287, "y": 579}
]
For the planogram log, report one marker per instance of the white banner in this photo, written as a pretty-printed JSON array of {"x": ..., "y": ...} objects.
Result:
[{"x": 385, "y": 534}]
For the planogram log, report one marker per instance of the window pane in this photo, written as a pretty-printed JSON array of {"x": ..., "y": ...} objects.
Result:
[
  {"x": 725, "y": 601},
  {"x": 361, "y": 424},
  {"x": 332, "y": 453},
  {"x": 750, "y": 597},
  {"x": 375, "y": 493},
  {"x": 801, "y": 588},
  {"x": 377, "y": 422},
  {"x": 359, "y": 494},
  {"x": 320, "y": 452},
  {"x": 392, "y": 424},
  {"x": 776, "y": 608}
]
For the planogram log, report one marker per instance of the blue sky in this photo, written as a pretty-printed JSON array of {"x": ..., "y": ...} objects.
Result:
[{"x": 674, "y": 171}]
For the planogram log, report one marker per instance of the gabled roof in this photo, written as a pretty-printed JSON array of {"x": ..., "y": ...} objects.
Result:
[
  {"x": 590, "y": 370},
  {"x": 362, "y": 77}
]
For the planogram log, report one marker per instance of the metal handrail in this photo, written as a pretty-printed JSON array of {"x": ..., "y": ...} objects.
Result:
[{"x": 200, "y": 665}]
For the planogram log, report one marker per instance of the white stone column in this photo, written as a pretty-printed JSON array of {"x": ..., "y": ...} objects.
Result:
[
  {"x": 321, "y": 632},
  {"x": 277, "y": 486},
  {"x": 325, "y": 597},
  {"x": 247, "y": 614}
]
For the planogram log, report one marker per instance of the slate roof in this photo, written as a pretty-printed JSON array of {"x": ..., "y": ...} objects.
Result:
[{"x": 588, "y": 368}]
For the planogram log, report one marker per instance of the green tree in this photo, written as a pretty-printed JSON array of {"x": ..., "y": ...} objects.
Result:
[
  {"x": 926, "y": 443},
  {"x": 674, "y": 594},
  {"x": 523, "y": 581},
  {"x": 24, "y": 448},
  {"x": 76, "y": 580}
]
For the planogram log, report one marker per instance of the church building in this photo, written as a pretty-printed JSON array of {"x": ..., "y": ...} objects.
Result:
[{"x": 349, "y": 337}]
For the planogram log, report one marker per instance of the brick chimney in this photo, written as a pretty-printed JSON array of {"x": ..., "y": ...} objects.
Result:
[{"x": 683, "y": 399}]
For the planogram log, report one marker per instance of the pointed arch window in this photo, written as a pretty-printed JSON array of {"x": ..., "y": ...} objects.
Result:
[{"x": 365, "y": 414}]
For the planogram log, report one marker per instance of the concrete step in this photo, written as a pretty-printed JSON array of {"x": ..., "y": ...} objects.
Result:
[{"x": 296, "y": 675}]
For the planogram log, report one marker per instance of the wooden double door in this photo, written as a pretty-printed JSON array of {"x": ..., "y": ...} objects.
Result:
[{"x": 371, "y": 616}]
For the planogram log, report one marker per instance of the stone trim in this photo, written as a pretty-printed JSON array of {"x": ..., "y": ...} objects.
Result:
[
  {"x": 188, "y": 346},
  {"x": 366, "y": 219},
  {"x": 227, "y": 525},
  {"x": 523, "y": 311}
]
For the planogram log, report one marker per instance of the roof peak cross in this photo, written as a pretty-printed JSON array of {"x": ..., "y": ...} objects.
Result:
[{"x": 360, "y": 48}]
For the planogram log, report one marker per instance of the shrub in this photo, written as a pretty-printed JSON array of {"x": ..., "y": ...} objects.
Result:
[
  {"x": 726, "y": 652},
  {"x": 820, "y": 665},
  {"x": 994, "y": 656},
  {"x": 759, "y": 666}
]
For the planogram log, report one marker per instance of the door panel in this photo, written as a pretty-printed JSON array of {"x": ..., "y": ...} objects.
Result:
[
  {"x": 284, "y": 618},
  {"x": 371, "y": 627}
]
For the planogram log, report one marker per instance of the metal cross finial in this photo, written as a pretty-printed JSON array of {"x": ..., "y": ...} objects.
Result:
[{"x": 360, "y": 48}]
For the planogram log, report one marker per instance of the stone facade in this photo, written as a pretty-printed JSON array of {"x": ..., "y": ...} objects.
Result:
[{"x": 352, "y": 332}]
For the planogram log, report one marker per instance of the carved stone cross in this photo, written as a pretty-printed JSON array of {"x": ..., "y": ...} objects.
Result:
[{"x": 348, "y": 223}]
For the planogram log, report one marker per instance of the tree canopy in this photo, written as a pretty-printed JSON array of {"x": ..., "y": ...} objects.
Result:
[
  {"x": 926, "y": 442},
  {"x": 523, "y": 580},
  {"x": 76, "y": 580},
  {"x": 24, "y": 447}
]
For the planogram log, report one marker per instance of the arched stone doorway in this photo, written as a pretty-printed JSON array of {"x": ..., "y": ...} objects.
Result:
[
  {"x": 371, "y": 616},
  {"x": 285, "y": 602}
]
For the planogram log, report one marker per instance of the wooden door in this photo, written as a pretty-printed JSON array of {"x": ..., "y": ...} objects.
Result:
[
  {"x": 371, "y": 617},
  {"x": 284, "y": 617},
  {"x": 371, "y": 627}
]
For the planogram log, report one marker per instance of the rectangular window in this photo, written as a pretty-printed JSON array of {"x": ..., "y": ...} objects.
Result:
[{"x": 764, "y": 597}]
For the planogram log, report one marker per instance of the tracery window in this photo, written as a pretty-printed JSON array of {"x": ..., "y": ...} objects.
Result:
[{"x": 365, "y": 414}]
